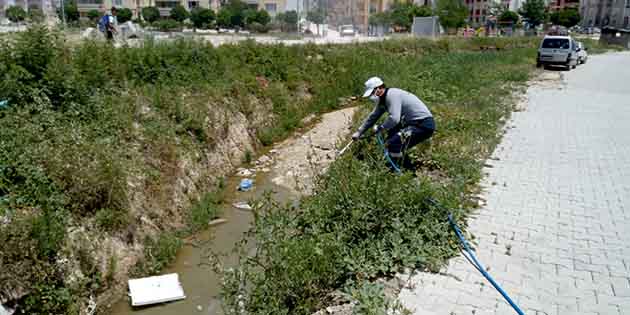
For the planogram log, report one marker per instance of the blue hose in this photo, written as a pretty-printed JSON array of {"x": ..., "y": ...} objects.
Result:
[
  {"x": 381, "y": 143},
  {"x": 480, "y": 267}
]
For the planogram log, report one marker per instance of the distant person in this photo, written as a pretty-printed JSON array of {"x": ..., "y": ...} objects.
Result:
[
  {"x": 409, "y": 123},
  {"x": 108, "y": 23}
]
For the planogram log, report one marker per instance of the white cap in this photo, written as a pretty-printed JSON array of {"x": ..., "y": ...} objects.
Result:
[{"x": 371, "y": 84}]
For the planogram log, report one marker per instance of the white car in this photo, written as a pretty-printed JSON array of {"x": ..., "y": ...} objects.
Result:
[
  {"x": 557, "y": 51},
  {"x": 347, "y": 30},
  {"x": 581, "y": 53}
]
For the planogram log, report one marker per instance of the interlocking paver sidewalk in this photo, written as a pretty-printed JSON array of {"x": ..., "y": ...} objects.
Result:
[{"x": 555, "y": 228}]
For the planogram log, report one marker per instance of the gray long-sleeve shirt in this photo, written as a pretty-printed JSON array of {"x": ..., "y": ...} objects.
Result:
[{"x": 401, "y": 106}]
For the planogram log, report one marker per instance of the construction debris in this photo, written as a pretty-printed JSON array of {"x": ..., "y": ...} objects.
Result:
[
  {"x": 158, "y": 289},
  {"x": 242, "y": 206}
]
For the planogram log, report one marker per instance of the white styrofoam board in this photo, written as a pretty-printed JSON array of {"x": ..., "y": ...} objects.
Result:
[{"x": 158, "y": 289}]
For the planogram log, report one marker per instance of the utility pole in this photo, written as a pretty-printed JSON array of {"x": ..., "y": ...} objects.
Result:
[
  {"x": 63, "y": 12},
  {"x": 298, "y": 16}
]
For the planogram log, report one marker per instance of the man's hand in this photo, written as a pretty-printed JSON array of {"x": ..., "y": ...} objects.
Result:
[{"x": 356, "y": 136}]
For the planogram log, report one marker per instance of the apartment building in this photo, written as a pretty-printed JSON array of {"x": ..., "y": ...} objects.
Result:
[
  {"x": 559, "y": 5},
  {"x": 600, "y": 13},
  {"x": 46, "y": 6},
  {"x": 273, "y": 7}
]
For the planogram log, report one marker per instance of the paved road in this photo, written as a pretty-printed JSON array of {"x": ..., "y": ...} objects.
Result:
[{"x": 555, "y": 228}]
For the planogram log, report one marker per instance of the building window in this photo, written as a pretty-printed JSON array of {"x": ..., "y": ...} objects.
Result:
[
  {"x": 477, "y": 12},
  {"x": 118, "y": 3},
  {"x": 90, "y": 2},
  {"x": 626, "y": 21},
  {"x": 271, "y": 7},
  {"x": 193, "y": 5},
  {"x": 166, "y": 4}
]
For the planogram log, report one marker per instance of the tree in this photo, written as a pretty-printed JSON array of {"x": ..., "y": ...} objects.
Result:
[
  {"x": 235, "y": 10},
  {"x": 316, "y": 16},
  {"x": 36, "y": 15},
  {"x": 150, "y": 14},
  {"x": 224, "y": 18},
  {"x": 16, "y": 14},
  {"x": 290, "y": 20},
  {"x": 71, "y": 11},
  {"x": 124, "y": 15},
  {"x": 567, "y": 17},
  {"x": 401, "y": 14},
  {"x": 533, "y": 11},
  {"x": 508, "y": 17},
  {"x": 263, "y": 17},
  {"x": 93, "y": 15},
  {"x": 381, "y": 18},
  {"x": 452, "y": 13},
  {"x": 201, "y": 17},
  {"x": 179, "y": 13}
]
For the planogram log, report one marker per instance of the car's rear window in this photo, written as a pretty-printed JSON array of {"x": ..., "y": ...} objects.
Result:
[{"x": 556, "y": 43}]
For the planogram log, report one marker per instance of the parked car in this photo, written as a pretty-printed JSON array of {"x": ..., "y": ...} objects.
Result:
[
  {"x": 582, "y": 53},
  {"x": 347, "y": 30},
  {"x": 557, "y": 51}
]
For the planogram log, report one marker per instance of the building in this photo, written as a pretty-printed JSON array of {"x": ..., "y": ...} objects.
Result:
[
  {"x": 478, "y": 11},
  {"x": 273, "y": 7},
  {"x": 559, "y": 5},
  {"x": 46, "y": 6},
  {"x": 358, "y": 12},
  {"x": 600, "y": 13}
]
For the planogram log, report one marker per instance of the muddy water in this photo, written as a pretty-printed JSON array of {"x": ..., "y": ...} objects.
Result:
[{"x": 200, "y": 283}]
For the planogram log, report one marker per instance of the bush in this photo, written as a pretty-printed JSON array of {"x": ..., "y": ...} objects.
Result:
[
  {"x": 257, "y": 16},
  {"x": 179, "y": 13},
  {"x": 205, "y": 210},
  {"x": 509, "y": 17},
  {"x": 168, "y": 25},
  {"x": 259, "y": 28},
  {"x": 93, "y": 15},
  {"x": 150, "y": 14},
  {"x": 202, "y": 17},
  {"x": 16, "y": 14},
  {"x": 71, "y": 12},
  {"x": 158, "y": 253},
  {"x": 124, "y": 15},
  {"x": 111, "y": 219}
]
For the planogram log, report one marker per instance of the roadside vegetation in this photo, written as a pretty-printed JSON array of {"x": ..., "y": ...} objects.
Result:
[{"x": 363, "y": 222}]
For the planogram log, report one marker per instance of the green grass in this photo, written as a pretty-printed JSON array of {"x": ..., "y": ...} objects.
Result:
[
  {"x": 77, "y": 129},
  {"x": 597, "y": 47}
]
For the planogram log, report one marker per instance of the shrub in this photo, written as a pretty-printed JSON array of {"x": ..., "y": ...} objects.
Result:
[
  {"x": 259, "y": 28},
  {"x": 205, "y": 210},
  {"x": 70, "y": 10},
  {"x": 124, "y": 15},
  {"x": 179, "y": 13},
  {"x": 150, "y": 14},
  {"x": 111, "y": 219},
  {"x": 93, "y": 15},
  {"x": 16, "y": 14},
  {"x": 168, "y": 25},
  {"x": 202, "y": 17},
  {"x": 158, "y": 253}
]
